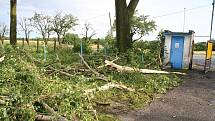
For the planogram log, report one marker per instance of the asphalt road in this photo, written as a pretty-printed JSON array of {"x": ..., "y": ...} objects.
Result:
[
  {"x": 194, "y": 100},
  {"x": 199, "y": 60}
]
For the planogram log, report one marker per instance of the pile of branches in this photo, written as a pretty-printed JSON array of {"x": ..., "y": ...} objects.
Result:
[{"x": 26, "y": 93}]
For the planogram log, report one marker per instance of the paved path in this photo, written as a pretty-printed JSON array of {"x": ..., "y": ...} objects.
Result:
[{"x": 194, "y": 100}]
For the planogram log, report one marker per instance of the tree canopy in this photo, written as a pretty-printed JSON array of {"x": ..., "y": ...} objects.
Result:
[
  {"x": 42, "y": 23},
  {"x": 62, "y": 24},
  {"x": 141, "y": 26},
  {"x": 3, "y": 31}
]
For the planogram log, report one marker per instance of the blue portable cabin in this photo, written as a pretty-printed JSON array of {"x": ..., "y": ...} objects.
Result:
[{"x": 178, "y": 49}]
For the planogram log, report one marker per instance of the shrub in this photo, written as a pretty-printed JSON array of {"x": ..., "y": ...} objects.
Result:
[{"x": 86, "y": 48}]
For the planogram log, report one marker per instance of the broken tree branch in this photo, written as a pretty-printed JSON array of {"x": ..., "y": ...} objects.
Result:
[
  {"x": 120, "y": 68},
  {"x": 106, "y": 64},
  {"x": 47, "y": 118},
  {"x": 44, "y": 118},
  {"x": 61, "y": 72},
  {"x": 91, "y": 106},
  {"x": 109, "y": 86},
  {"x": 98, "y": 75},
  {"x": 86, "y": 64},
  {"x": 51, "y": 110},
  {"x": 2, "y": 59},
  {"x": 46, "y": 106}
]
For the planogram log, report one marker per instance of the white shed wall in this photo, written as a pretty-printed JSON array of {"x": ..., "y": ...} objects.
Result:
[{"x": 167, "y": 49}]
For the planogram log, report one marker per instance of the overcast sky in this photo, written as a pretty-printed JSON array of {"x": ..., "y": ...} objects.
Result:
[{"x": 168, "y": 14}]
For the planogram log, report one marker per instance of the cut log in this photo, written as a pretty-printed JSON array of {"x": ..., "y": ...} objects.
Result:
[
  {"x": 2, "y": 59},
  {"x": 127, "y": 69}
]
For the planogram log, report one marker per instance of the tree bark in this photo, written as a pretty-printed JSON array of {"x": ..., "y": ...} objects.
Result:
[
  {"x": 98, "y": 43},
  {"x": 13, "y": 22},
  {"x": 124, "y": 14},
  {"x": 23, "y": 42},
  {"x": 58, "y": 39},
  {"x": 45, "y": 39},
  {"x": 27, "y": 37},
  {"x": 2, "y": 41},
  {"x": 38, "y": 42},
  {"x": 55, "y": 45}
]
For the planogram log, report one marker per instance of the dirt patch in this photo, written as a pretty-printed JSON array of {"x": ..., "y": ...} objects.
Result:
[{"x": 194, "y": 100}]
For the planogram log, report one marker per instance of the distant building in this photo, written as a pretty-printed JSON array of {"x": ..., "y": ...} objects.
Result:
[{"x": 178, "y": 49}]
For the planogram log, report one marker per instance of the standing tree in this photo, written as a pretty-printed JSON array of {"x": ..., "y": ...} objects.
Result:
[
  {"x": 124, "y": 13},
  {"x": 87, "y": 29},
  {"x": 13, "y": 22},
  {"x": 43, "y": 24},
  {"x": 62, "y": 24},
  {"x": 25, "y": 25},
  {"x": 3, "y": 32}
]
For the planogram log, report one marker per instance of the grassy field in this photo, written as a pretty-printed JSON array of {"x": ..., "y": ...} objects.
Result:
[
  {"x": 31, "y": 42},
  {"x": 50, "y": 44}
]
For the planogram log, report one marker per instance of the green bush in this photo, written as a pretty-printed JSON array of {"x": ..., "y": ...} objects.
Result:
[
  {"x": 146, "y": 53},
  {"x": 71, "y": 39},
  {"x": 202, "y": 46},
  {"x": 86, "y": 48}
]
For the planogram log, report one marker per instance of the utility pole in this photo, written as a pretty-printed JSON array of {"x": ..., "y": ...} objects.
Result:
[
  {"x": 209, "y": 45},
  {"x": 184, "y": 19},
  {"x": 212, "y": 18}
]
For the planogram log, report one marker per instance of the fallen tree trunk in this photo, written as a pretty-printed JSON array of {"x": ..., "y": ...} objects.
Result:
[{"x": 120, "y": 68}]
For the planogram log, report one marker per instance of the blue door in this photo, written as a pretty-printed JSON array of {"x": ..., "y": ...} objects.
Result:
[{"x": 176, "y": 54}]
